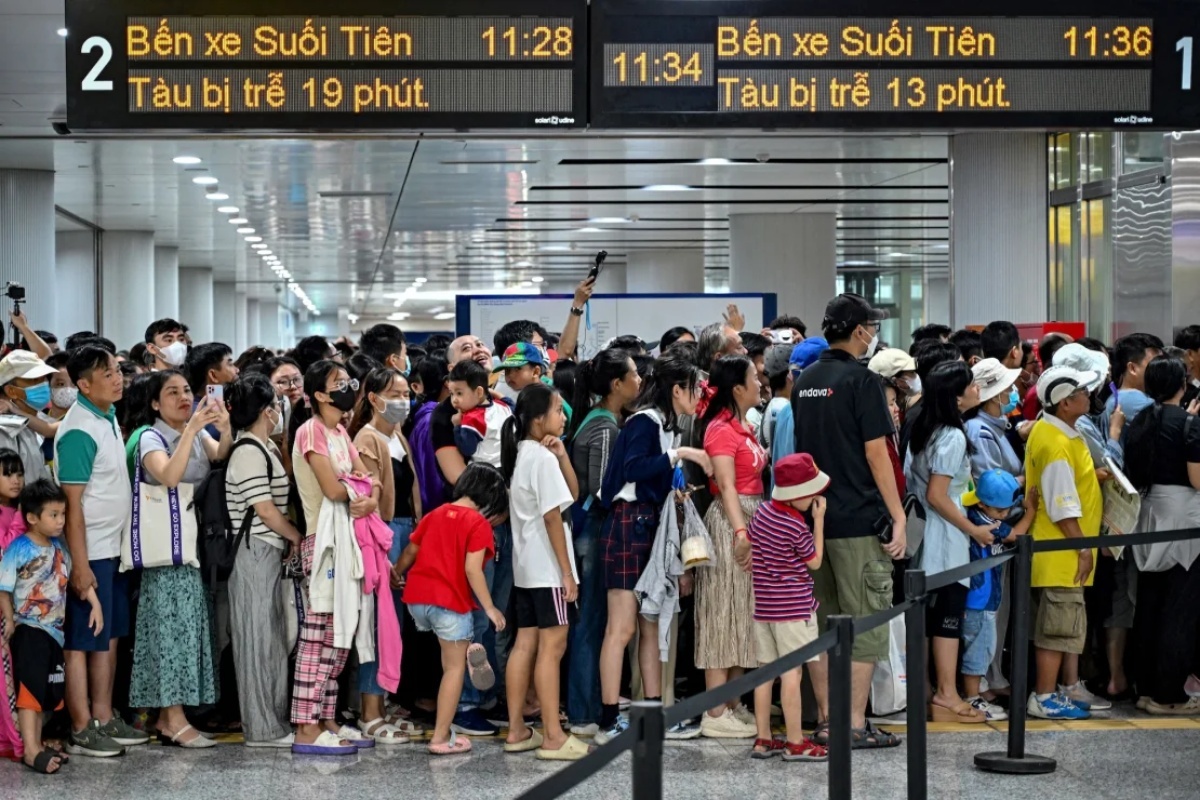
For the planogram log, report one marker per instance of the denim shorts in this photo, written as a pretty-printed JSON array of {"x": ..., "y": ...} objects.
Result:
[
  {"x": 978, "y": 641},
  {"x": 447, "y": 625}
]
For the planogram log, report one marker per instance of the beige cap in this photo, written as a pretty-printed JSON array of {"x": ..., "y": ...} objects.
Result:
[
  {"x": 22, "y": 364},
  {"x": 891, "y": 362}
]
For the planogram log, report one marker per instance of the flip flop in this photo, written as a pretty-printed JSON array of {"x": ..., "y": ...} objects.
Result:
[
  {"x": 41, "y": 762},
  {"x": 572, "y": 750},
  {"x": 456, "y": 745},
  {"x": 480, "y": 671},
  {"x": 327, "y": 744},
  {"x": 534, "y": 742}
]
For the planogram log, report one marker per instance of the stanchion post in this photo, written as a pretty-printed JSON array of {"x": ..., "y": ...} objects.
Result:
[
  {"x": 841, "y": 668},
  {"x": 1015, "y": 760},
  {"x": 916, "y": 669},
  {"x": 648, "y": 725}
]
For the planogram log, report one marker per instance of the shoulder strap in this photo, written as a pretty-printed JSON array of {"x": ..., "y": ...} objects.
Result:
[{"x": 248, "y": 517}]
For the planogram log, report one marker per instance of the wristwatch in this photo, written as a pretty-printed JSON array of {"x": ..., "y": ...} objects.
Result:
[{"x": 578, "y": 312}]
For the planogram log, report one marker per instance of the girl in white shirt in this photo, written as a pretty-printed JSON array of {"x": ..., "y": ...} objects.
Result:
[{"x": 542, "y": 487}]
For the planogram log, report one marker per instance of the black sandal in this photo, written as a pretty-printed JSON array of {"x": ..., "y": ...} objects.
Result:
[
  {"x": 41, "y": 762},
  {"x": 821, "y": 734},
  {"x": 869, "y": 737}
]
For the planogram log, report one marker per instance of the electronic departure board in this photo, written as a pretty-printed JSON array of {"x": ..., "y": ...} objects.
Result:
[
  {"x": 880, "y": 64},
  {"x": 321, "y": 65}
]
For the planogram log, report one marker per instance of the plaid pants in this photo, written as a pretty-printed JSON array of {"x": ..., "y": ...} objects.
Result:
[{"x": 318, "y": 662}]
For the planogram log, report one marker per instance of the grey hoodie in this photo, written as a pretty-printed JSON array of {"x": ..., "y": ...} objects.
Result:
[{"x": 15, "y": 434}]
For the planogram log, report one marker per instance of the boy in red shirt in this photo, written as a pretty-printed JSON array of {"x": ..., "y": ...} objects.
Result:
[
  {"x": 446, "y": 554},
  {"x": 783, "y": 550}
]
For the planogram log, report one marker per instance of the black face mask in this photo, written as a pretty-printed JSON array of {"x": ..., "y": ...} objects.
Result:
[{"x": 343, "y": 400}]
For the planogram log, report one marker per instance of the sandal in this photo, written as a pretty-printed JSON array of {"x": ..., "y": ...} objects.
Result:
[
  {"x": 355, "y": 737},
  {"x": 773, "y": 747},
  {"x": 454, "y": 746},
  {"x": 385, "y": 733},
  {"x": 478, "y": 669},
  {"x": 808, "y": 750},
  {"x": 43, "y": 761},
  {"x": 821, "y": 734},
  {"x": 572, "y": 750},
  {"x": 868, "y": 737},
  {"x": 200, "y": 742},
  {"x": 534, "y": 742},
  {"x": 964, "y": 714}
]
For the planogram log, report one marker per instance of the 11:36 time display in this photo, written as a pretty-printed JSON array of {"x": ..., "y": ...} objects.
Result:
[{"x": 1120, "y": 42}]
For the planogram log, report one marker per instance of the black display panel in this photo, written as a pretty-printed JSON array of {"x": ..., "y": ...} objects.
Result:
[
  {"x": 320, "y": 65},
  {"x": 860, "y": 64}
]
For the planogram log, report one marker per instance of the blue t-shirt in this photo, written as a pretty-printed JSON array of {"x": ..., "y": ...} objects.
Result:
[
  {"x": 1133, "y": 402},
  {"x": 37, "y": 579}
]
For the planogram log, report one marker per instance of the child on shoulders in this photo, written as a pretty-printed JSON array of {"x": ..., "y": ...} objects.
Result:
[{"x": 480, "y": 418}]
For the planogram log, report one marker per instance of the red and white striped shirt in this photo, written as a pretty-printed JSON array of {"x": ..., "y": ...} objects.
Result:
[{"x": 782, "y": 545}]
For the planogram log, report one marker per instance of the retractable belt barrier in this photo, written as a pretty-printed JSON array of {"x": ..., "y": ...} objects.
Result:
[{"x": 648, "y": 722}]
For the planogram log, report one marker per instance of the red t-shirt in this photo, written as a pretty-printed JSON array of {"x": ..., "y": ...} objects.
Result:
[
  {"x": 439, "y": 577},
  {"x": 727, "y": 436}
]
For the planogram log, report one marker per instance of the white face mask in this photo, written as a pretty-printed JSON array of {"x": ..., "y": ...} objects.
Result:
[
  {"x": 64, "y": 396},
  {"x": 278, "y": 429},
  {"x": 914, "y": 386},
  {"x": 873, "y": 345},
  {"x": 174, "y": 354}
]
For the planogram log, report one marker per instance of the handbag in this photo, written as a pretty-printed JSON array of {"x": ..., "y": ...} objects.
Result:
[{"x": 162, "y": 530}]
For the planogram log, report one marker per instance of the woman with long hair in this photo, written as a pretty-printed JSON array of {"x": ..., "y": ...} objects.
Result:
[
  {"x": 382, "y": 411},
  {"x": 635, "y": 485},
  {"x": 939, "y": 471},
  {"x": 1162, "y": 461},
  {"x": 606, "y": 385},
  {"x": 725, "y": 643}
]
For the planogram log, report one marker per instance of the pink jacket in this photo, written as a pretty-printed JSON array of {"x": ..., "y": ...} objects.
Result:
[
  {"x": 11, "y": 526},
  {"x": 375, "y": 540}
]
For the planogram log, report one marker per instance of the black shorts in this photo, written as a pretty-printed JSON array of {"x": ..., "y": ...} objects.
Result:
[
  {"x": 540, "y": 608},
  {"x": 944, "y": 614},
  {"x": 38, "y": 669}
]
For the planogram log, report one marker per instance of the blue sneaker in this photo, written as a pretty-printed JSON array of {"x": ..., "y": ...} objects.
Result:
[
  {"x": 618, "y": 727},
  {"x": 472, "y": 723},
  {"x": 1056, "y": 707}
]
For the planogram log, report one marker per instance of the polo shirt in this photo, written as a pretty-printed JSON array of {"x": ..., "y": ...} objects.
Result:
[
  {"x": 1059, "y": 464},
  {"x": 88, "y": 451},
  {"x": 838, "y": 406}
]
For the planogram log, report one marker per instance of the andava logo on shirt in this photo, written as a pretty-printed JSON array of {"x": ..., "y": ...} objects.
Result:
[{"x": 814, "y": 393}]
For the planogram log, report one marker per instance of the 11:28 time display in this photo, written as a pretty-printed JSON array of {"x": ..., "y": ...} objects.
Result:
[{"x": 671, "y": 67}]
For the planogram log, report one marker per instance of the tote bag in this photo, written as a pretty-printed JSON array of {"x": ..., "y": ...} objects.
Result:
[{"x": 162, "y": 529}]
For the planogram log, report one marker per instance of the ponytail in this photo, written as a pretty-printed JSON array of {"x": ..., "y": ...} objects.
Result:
[
  {"x": 584, "y": 400},
  {"x": 534, "y": 402},
  {"x": 1141, "y": 447}
]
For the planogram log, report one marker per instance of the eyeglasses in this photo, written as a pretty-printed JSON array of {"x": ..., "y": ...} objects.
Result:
[
  {"x": 289, "y": 383},
  {"x": 342, "y": 386}
]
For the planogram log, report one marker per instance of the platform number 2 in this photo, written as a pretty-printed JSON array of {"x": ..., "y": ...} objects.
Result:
[
  {"x": 90, "y": 82},
  {"x": 1184, "y": 46}
]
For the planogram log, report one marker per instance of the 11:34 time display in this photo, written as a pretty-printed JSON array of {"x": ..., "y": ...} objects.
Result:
[{"x": 671, "y": 67}]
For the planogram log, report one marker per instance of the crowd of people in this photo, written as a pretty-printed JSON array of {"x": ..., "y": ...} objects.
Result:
[{"x": 360, "y": 544}]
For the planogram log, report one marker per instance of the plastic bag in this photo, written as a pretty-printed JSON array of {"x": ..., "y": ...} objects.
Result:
[
  {"x": 889, "y": 683},
  {"x": 696, "y": 547}
]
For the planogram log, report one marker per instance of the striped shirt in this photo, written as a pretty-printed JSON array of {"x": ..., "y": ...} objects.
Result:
[
  {"x": 782, "y": 545},
  {"x": 246, "y": 484}
]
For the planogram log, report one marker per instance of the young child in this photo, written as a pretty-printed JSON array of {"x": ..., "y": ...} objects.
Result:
[
  {"x": 447, "y": 553},
  {"x": 12, "y": 481},
  {"x": 996, "y": 495},
  {"x": 783, "y": 550},
  {"x": 542, "y": 488},
  {"x": 480, "y": 417},
  {"x": 33, "y": 599}
]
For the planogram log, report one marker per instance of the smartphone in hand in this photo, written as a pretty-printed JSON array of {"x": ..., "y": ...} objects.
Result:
[
  {"x": 217, "y": 394},
  {"x": 594, "y": 272}
]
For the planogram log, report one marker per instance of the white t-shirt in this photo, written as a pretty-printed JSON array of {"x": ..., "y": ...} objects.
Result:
[{"x": 537, "y": 487}]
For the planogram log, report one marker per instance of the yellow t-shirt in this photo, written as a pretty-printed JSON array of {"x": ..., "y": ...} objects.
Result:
[{"x": 1058, "y": 463}]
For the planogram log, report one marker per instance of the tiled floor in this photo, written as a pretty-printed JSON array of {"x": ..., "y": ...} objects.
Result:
[{"x": 1097, "y": 765}]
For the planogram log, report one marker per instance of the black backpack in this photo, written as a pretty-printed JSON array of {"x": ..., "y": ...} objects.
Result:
[{"x": 219, "y": 542}]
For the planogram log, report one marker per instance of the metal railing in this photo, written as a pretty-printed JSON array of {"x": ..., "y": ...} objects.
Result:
[{"x": 648, "y": 722}]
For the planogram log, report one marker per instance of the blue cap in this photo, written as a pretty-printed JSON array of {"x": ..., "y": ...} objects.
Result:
[
  {"x": 995, "y": 488},
  {"x": 808, "y": 351}
]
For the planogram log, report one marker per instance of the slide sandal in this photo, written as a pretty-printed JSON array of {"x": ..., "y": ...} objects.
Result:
[
  {"x": 327, "y": 744},
  {"x": 355, "y": 737},
  {"x": 532, "y": 743},
  {"x": 385, "y": 733},
  {"x": 42, "y": 762},
  {"x": 572, "y": 750},
  {"x": 480, "y": 671}
]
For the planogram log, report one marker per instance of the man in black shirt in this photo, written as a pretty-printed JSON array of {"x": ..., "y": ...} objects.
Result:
[{"x": 842, "y": 421}]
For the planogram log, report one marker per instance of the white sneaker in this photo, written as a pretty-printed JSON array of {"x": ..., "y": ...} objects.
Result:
[
  {"x": 1080, "y": 696},
  {"x": 993, "y": 712},
  {"x": 591, "y": 729},
  {"x": 282, "y": 742},
  {"x": 726, "y": 726},
  {"x": 744, "y": 715},
  {"x": 683, "y": 730}
]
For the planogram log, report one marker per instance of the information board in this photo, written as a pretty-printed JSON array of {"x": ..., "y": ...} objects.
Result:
[
  {"x": 872, "y": 63},
  {"x": 323, "y": 65}
]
